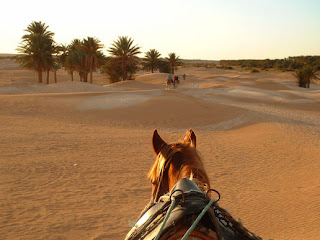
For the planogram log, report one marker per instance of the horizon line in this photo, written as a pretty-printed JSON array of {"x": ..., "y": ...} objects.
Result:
[{"x": 198, "y": 59}]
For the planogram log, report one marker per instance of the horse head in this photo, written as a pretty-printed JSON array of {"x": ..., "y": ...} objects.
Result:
[{"x": 173, "y": 162}]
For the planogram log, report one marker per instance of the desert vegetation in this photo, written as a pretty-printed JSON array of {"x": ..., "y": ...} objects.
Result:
[
  {"x": 174, "y": 61},
  {"x": 38, "y": 49},
  {"x": 254, "y": 70},
  {"x": 39, "y": 52},
  {"x": 287, "y": 64},
  {"x": 304, "y": 76},
  {"x": 305, "y": 67},
  {"x": 81, "y": 56},
  {"x": 124, "y": 58},
  {"x": 151, "y": 60}
]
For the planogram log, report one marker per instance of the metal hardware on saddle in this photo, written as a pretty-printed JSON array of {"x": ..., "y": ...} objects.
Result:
[
  {"x": 187, "y": 186},
  {"x": 190, "y": 201}
]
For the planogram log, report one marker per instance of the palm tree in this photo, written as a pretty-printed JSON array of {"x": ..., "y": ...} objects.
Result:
[
  {"x": 36, "y": 49},
  {"x": 79, "y": 61},
  {"x": 124, "y": 50},
  {"x": 63, "y": 50},
  {"x": 152, "y": 59},
  {"x": 91, "y": 47},
  {"x": 173, "y": 60},
  {"x": 70, "y": 63},
  {"x": 75, "y": 60}
]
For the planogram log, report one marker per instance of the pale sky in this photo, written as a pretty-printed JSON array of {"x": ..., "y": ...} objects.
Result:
[{"x": 193, "y": 29}]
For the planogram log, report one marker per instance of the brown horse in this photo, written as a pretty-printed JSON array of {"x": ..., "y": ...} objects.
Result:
[{"x": 176, "y": 163}]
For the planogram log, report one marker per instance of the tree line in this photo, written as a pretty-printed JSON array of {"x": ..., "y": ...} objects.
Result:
[
  {"x": 39, "y": 52},
  {"x": 305, "y": 67},
  {"x": 286, "y": 64}
]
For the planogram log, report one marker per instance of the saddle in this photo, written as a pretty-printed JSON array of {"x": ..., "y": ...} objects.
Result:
[{"x": 216, "y": 223}]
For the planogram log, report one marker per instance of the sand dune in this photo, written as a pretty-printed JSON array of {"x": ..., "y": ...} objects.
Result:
[
  {"x": 74, "y": 156},
  {"x": 64, "y": 87}
]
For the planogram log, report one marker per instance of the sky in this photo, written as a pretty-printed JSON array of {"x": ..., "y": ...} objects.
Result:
[{"x": 193, "y": 29}]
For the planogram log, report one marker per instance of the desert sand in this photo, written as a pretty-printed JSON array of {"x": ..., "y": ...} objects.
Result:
[{"x": 74, "y": 156}]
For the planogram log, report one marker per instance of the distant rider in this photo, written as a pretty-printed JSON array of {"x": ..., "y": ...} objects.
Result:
[{"x": 169, "y": 81}]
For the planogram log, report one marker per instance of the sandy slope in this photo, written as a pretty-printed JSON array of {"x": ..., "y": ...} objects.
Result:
[{"x": 74, "y": 156}]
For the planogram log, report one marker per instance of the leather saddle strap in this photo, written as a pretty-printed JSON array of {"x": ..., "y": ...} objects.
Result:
[{"x": 196, "y": 234}]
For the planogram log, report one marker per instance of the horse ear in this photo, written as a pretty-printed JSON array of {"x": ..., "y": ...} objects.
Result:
[
  {"x": 191, "y": 138},
  {"x": 157, "y": 142}
]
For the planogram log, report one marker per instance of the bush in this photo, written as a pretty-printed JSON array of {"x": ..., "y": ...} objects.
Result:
[
  {"x": 224, "y": 67},
  {"x": 164, "y": 66},
  {"x": 112, "y": 68},
  {"x": 212, "y": 65},
  {"x": 304, "y": 76},
  {"x": 254, "y": 70}
]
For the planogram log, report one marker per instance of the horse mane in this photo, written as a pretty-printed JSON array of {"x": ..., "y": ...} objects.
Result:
[{"x": 183, "y": 158}]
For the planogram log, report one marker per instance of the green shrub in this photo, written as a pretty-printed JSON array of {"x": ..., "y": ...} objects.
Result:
[
  {"x": 304, "y": 76},
  {"x": 164, "y": 66},
  {"x": 224, "y": 67},
  {"x": 254, "y": 70},
  {"x": 112, "y": 68}
]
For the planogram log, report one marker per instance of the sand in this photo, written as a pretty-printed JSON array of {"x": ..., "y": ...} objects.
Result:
[{"x": 74, "y": 156}]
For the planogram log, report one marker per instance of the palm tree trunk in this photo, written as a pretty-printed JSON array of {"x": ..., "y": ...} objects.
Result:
[
  {"x": 81, "y": 76},
  {"x": 305, "y": 82},
  {"x": 40, "y": 76},
  {"x": 71, "y": 75},
  {"x": 55, "y": 76},
  {"x": 90, "y": 75},
  {"x": 48, "y": 76},
  {"x": 124, "y": 77},
  {"x": 85, "y": 77}
]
